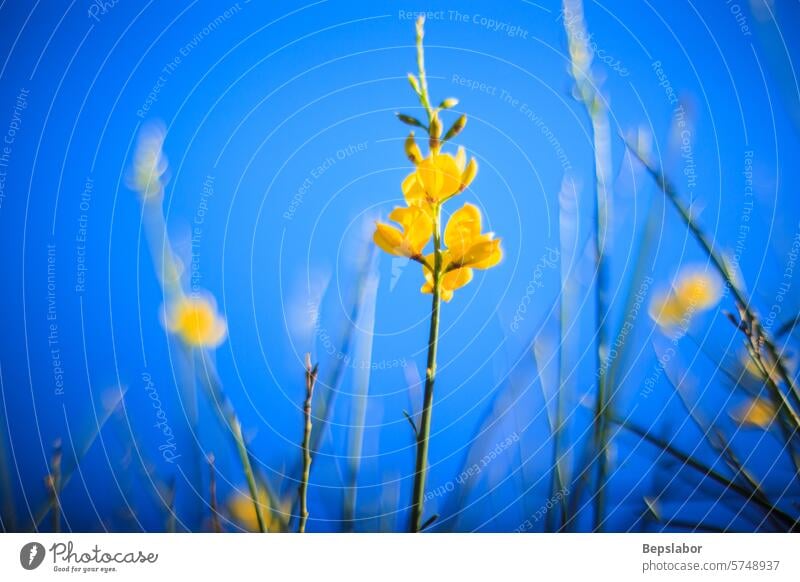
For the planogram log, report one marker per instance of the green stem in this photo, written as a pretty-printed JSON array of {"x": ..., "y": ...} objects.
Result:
[
  {"x": 601, "y": 138},
  {"x": 423, "y": 81},
  {"x": 311, "y": 376},
  {"x": 54, "y": 485},
  {"x": 586, "y": 85},
  {"x": 236, "y": 428},
  {"x": 212, "y": 494},
  {"x": 423, "y": 434},
  {"x": 228, "y": 415}
]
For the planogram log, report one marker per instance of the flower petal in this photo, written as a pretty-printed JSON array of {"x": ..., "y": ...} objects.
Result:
[
  {"x": 462, "y": 228},
  {"x": 469, "y": 174},
  {"x": 417, "y": 227},
  {"x": 483, "y": 255},
  {"x": 461, "y": 159},
  {"x": 388, "y": 238},
  {"x": 413, "y": 191}
]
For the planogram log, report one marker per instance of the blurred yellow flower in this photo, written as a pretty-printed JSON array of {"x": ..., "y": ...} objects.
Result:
[
  {"x": 694, "y": 290},
  {"x": 698, "y": 289},
  {"x": 417, "y": 231},
  {"x": 438, "y": 178},
  {"x": 148, "y": 175},
  {"x": 243, "y": 512},
  {"x": 756, "y": 412},
  {"x": 196, "y": 321}
]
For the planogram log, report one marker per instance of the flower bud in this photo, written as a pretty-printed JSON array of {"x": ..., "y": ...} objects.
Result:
[
  {"x": 412, "y": 149},
  {"x": 448, "y": 103},
  {"x": 407, "y": 119},
  {"x": 412, "y": 80},
  {"x": 456, "y": 128},
  {"x": 469, "y": 173},
  {"x": 435, "y": 132}
]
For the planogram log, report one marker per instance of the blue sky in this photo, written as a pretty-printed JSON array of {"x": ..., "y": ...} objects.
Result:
[{"x": 283, "y": 150}]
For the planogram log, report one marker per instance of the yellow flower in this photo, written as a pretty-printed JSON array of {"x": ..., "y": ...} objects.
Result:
[
  {"x": 467, "y": 249},
  {"x": 150, "y": 165},
  {"x": 466, "y": 246},
  {"x": 195, "y": 320},
  {"x": 693, "y": 291},
  {"x": 417, "y": 231},
  {"x": 439, "y": 177},
  {"x": 242, "y": 511},
  {"x": 697, "y": 289},
  {"x": 666, "y": 311},
  {"x": 756, "y": 412}
]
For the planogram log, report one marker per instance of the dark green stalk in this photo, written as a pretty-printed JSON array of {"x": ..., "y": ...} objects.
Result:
[
  {"x": 311, "y": 378},
  {"x": 228, "y": 416},
  {"x": 709, "y": 472},
  {"x": 54, "y": 486},
  {"x": 423, "y": 80},
  {"x": 423, "y": 435},
  {"x": 66, "y": 475},
  {"x": 212, "y": 494},
  {"x": 586, "y": 85}
]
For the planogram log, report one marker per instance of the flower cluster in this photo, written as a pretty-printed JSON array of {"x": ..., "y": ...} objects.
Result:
[{"x": 436, "y": 179}]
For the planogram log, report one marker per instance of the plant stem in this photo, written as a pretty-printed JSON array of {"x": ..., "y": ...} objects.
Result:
[
  {"x": 212, "y": 494},
  {"x": 54, "y": 486},
  {"x": 586, "y": 84},
  {"x": 423, "y": 434},
  {"x": 600, "y": 134},
  {"x": 228, "y": 415},
  {"x": 423, "y": 81},
  {"x": 311, "y": 377}
]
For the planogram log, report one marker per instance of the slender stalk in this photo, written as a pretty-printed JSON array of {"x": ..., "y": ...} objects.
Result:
[
  {"x": 65, "y": 474},
  {"x": 423, "y": 434},
  {"x": 311, "y": 378},
  {"x": 600, "y": 136},
  {"x": 586, "y": 84},
  {"x": 212, "y": 494},
  {"x": 423, "y": 80},
  {"x": 170, "y": 498},
  {"x": 228, "y": 415},
  {"x": 53, "y": 482}
]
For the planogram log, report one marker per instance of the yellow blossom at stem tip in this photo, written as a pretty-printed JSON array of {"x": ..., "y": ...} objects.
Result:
[{"x": 195, "y": 320}]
